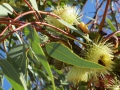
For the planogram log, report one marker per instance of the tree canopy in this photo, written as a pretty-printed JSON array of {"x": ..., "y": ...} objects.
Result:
[{"x": 49, "y": 45}]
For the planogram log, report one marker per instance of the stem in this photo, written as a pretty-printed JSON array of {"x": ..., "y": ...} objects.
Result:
[
  {"x": 110, "y": 35},
  {"x": 32, "y": 9},
  {"x": 103, "y": 20},
  {"x": 26, "y": 13},
  {"x": 40, "y": 23},
  {"x": 58, "y": 29},
  {"x": 4, "y": 46},
  {"x": 104, "y": 16},
  {"x": 17, "y": 29}
]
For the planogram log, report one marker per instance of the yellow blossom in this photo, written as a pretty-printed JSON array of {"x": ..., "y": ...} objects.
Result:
[
  {"x": 101, "y": 53},
  {"x": 77, "y": 74},
  {"x": 67, "y": 13}
]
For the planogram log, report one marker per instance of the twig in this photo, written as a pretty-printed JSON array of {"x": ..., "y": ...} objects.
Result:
[
  {"x": 31, "y": 9},
  {"x": 112, "y": 34},
  {"x": 26, "y": 13},
  {"x": 94, "y": 17},
  {"x": 41, "y": 23},
  {"x": 102, "y": 22},
  {"x": 104, "y": 16}
]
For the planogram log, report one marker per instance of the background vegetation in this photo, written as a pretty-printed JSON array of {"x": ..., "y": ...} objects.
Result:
[{"x": 34, "y": 57}]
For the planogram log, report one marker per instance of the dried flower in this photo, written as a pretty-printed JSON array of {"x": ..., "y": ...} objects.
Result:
[
  {"x": 101, "y": 53},
  {"x": 67, "y": 13}
]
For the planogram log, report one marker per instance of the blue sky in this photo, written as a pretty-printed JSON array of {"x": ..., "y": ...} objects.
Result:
[
  {"x": 89, "y": 10},
  {"x": 6, "y": 84}
]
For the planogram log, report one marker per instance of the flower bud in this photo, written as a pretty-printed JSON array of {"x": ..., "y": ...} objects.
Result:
[{"x": 83, "y": 27}]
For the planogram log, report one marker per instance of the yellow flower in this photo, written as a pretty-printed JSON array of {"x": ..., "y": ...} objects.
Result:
[
  {"x": 77, "y": 74},
  {"x": 67, "y": 13},
  {"x": 101, "y": 53}
]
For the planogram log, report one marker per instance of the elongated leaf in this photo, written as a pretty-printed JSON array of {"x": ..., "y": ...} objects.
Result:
[
  {"x": 17, "y": 35},
  {"x": 29, "y": 32},
  {"x": 38, "y": 52},
  {"x": 23, "y": 80},
  {"x": 90, "y": 18},
  {"x": 41, "y": 57},
  {"x": 74, "y": 29},
  {"x": 17, "y": 55},
  {"x": 34, "y": 4},
  {"x": 17, "y": 50},
  {"x": 41, "y": 74},
  {"x": 111, "y": 25},
  {"x": 22, "y": 61},
  {"x": 5, "y": 9},
  {"x": 12, "y": 75},
  {"x": 31, "y": 57},
  {"x": 62, "y": 53},
  {"x": 12, "y": 62},
  {"x": 66, "y": 24}
]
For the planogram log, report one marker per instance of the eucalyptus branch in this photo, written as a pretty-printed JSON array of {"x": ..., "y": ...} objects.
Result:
[
  {"x": 109, "y": 36},
  {"x": 31, "y": 9},
  {"x": 40, "y": 23},
  {"x": 26, "y": 13}
]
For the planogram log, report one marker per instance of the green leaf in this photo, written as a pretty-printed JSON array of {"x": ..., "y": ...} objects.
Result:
[
  {"x": 17, "y": 50},
  {"x": 23, "y": 80},
  {"x": 17, "y": 35},
  {"x": 66, "y": 24},
  {"x": 111, "y": 25},
  {"x": 1, "y": 88},
  {"x": 18, "y": 56},
  {"x": 29, "y": 32},
  {"x": 5, "y": 9},
  {"x": 74, "y": 29},
  {"x": 49, "y": 87},
  {"x": 41, "y": 57},
  {"x": 34, "y": 4},
  {"x": 49, "y": 3},
  {"x": 31, "y": 75},
  {"x": 83, "y": 87},
  {"x": 31, "y": 57},
  {"x": 29, "y": 84},
  {"x": 41, "y": 74},
  {"x": 90, "y": 18},
  {"x": 12, "y": 62},
  {"x": 37, "y": 50},
  {"x": 12, "y": 75},
  {"x": 64, "y": 54}
]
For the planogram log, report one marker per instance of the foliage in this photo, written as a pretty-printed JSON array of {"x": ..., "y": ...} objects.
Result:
[{"x": 39, "y": 47}]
